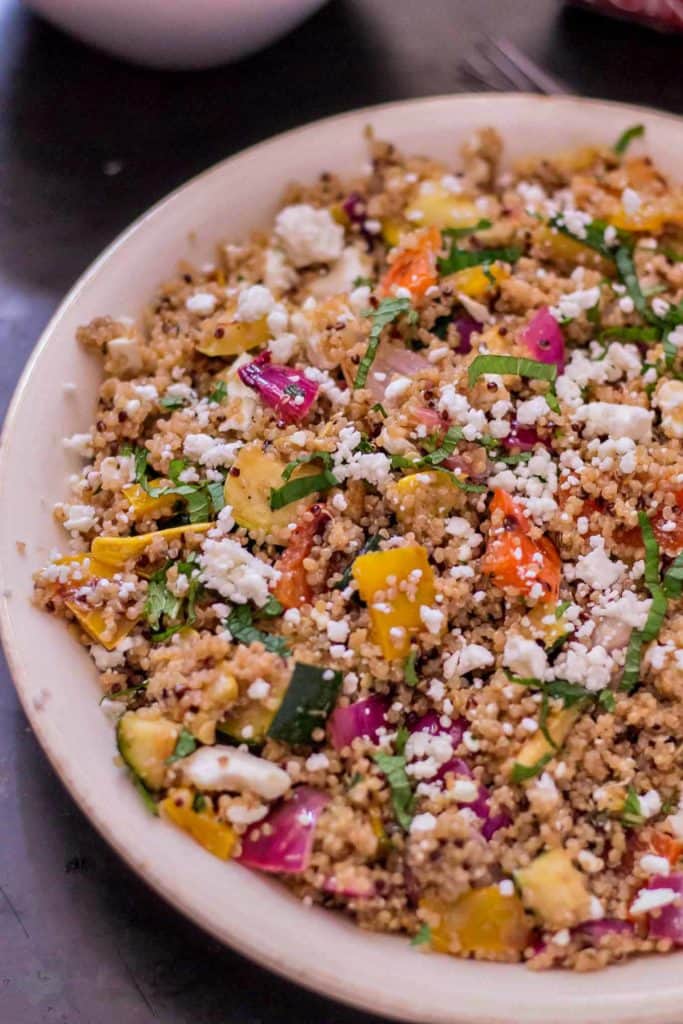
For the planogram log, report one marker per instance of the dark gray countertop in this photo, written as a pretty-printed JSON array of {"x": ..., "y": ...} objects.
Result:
[{"x": 82, "y": 940}]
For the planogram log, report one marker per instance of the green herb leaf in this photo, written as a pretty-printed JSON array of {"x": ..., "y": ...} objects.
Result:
[
  {"x": 628, "y": 275},
  {"x": 561, "y": 609},
  {"x": 172, "y": 402},
  {"x": 651, "y": 552},
  {"x": 378, "y": 407},
  {"x": 607, "y": 701},
  {"x": 401, "y": 739},
  {"x": 461, "y": 259},
  {"x": 481, "y": 225},
  {"x": 517, "y": 365},
  {"x": 141, "y": 468},
  {"x": 522, "y": 772},
  {"x": 198, "y": 803},
  {"x": 630, "y": 333},
  {"x": 323, "y": 457},
  {"x": 393, "y": 766},
  {"x": 360, "y": 282},
  {"x": 371, "y": 544},
  {"x": 219, "y": 393},
  {"x": 409, "y": 673},
  {"x": 627, "y": 137},
  {"x": 240, "y": 622},
  {"x": 422, "y": 937},
  {"x": 655, "y": 617},
  {"x": 185, "y": 744},
  {"x": 631, "y": 813},
  {"x": 308, "y": 700},
  {"x": 385, "y": 314},
  {"x": 301, "y": 487},
  {"x": 672, "y": 584},
  {"x": 594, "y": 235},
  {"x": 272, "y": 608}
]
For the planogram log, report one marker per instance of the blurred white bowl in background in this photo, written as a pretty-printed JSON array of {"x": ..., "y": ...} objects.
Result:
[{"x": 176, "y": 33}]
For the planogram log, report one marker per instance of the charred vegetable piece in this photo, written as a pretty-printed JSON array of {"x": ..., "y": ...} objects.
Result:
[
  {"x": 414, "y": 268},
  {"x": 292, "y": 588},
  {"x": 92, "y": 620},
  {"x": 225, "y": 336},
  {"x": 554, "y": 890},
  {"x": 215, "y": 836},
  {"x": 145, "y": 743},
  {"x": 482, "y": 922},
  {"x": 515, "y": 561},
  {"x": 537, "y": 750},
  {"x": 407, "y": 566},
  {"x": 248, "y": 487},
  {"x": 308, "y": 700},
  {"x": 116, "y": 551}
]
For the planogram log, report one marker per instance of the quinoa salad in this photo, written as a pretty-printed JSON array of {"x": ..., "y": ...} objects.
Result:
[{"x": 377, "y": 548}]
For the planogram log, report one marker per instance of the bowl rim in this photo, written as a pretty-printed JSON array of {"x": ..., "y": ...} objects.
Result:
[{"x": 615, "y": 1007}]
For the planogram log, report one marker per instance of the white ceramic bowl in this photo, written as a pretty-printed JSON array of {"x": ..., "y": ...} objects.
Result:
[
  {"x": 56, "y": 681},
  {"x": 177, "y": 33}
]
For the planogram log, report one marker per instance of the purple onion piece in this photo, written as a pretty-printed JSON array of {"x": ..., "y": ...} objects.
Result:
[
  {"x": 594, "y": 930},
  {"x": 521, "y": 437},
  {"x": 286, "y": 390},
  {"x": 667, "y": 922},
  {"x": 466, "y": 326},
  {"x": 364, "y": 718},
  {"x": 543, "y": 338},
  {"x": 287, "y": 846}
]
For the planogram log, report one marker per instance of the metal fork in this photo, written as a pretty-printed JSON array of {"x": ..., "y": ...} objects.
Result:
[{"x": 498, "y": 61}]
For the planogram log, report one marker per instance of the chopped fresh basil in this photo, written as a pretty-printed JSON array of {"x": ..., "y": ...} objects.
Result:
[
  {"x": 422, "y": 937},
  {"x": 166, "y": 613},
  {"x": 219, "y": 393},
  {"x": 651, "y": 551},
  {"x": 172, "y": 402},
  {"x": 198, "y": 803},
  {"x": 462, "y": 259},
  {"x": 393, "y": 766},
  {"x": 185, "y": 744},
  {"x": 378, "y": 407},
  {"x": 301, "y": 487},
  {"x": 371, "y": 544},
  {"x": 130, "y": 691},
  {"x": 360, "y": 282},
  {"x": 631, "y": 813},
  {"x": 355, "y": 779},
  {"x": 627, "y": 137},
  {"x": 522, "y": 772},
  {"x": 409, "y": 673},
  {"x": 655, "y": 617},
  {"x": 272, "y": 608},
  {"x": 629, "y": 277},
  {"x": 672, "y": 584},
  {"x": 140, "y": 456},
  {"x": 517, "y": 365},
  {"x": 594, "y": 235},
  {"x": 630, "y": 333},
  {"x": 470, "y": 229},
  {"x": 308, "y": 700},
  {"x": 323, "y": 457},
  {"x": 385, "y": 314},
  {"x": 514, "y": 460},
  {"x": 561, "y": 609},
  {"x": 401, "y": 739},
  {"x": 240, "y": 622},
  {"x": 607, "y": 700}
]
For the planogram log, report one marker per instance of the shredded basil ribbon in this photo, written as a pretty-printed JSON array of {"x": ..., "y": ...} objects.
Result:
[
  {"x": 462, "y": 259},
  {"x": 627, "y": 137},
  {"x": 521, "y": 367},
  {"x": 655, "y": 617},
  {"x": 393, "y": 766},
  {"x": 385, "y": 314},
  {"x": 293, "y": 490}
]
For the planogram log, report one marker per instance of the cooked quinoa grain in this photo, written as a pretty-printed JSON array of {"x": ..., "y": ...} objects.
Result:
[{"x": 377, "y": 551}]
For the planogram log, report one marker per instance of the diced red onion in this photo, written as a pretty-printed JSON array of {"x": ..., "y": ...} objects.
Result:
[
  {"x": 393, "y": 360},
  {"x": 667, "y": 922},
  {"x": 431, "y": 418},
  {"x": 543, "y": 338},
  {"x": 431, "y": 723},
  {"x": 355, "y": 207},
  {"x": 466, "y": 326},
  {"x": 286, "y": 390},
  {"x": 495, "y": 822},
  {"x": 594, "y": 930},
  {"x": 363, "y": 718},
  {"x": 524, "y": 438},
  {"x": 286, "y": 848}
]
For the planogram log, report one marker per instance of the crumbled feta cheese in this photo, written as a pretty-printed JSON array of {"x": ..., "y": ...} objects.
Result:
[
  {"x": 597, "y": 569},
  {"x": 531, "y": 411},
  {"x": 525, "y": 657},
  {"x": 258, "y": 690},
  {"x": 652, "y": 899},
  {"x": 422, "y": 823},
  {"x": 610, "y": 419},
  {"x": 222, "y": 768},
  {"x": 468, "y": 659},
  {"x": 398, "y": 387},
  {"x": 278, "y": 275},
  {"x": 432, "y": 618},
  {"x": 317, "y": 762},
  {"x": 81, "y": 518},
  {"x": 650, "y": 803},
  {"x": 338, "y": 631},
  {"x": 590, "y": 668},
  {"x": 235, "y": 573},
  {"x": 309, "y": 235},
  {"x": 352, "y": 264},
  {"x": 630, "y": 200},
  {"x": 572, "y": 305},
  {"x": 202, "y": 303},
  {"x": 465, "y": 791},
  {"x": 117, "y": 471},
  {"x": 254, "y": 302},
  {"x": 653, "y": 865},
  {"x": 81, "y": 444},
  {"x": 210, "y": 451},
  {"x": 669, "y": 399}
]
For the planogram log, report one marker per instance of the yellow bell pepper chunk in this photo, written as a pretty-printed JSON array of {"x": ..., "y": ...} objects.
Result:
[
  {"x": 650, "y": 217},
  {"x": 247, "y": 490},
  {"x": 436, "y": 207},
  {"x": 482, "y": 922},
  {"x": 93, "y": 621},
  {"x": 429, "y": 491},
  {"x": 144, "y": 504},
  {"x": 554, "y": 890},
  {"x": 215, "y": 836},
  {"x": 544, "y": 625},
  {"x": 116, "y": 551},
  {"x": 475, "y": 282},
  {"x": 225, "y": 337},
  {"x": 382, "y": 571},
  {"x": 559, "y": 726},
  {"x": 569, "y": 252},
  {"x": 392, "y": 231}
]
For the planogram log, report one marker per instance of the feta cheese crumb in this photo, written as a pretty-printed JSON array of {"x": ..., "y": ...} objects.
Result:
[
  {"x": 525, "y": 658},
  {"x": 202, "y": 303},
  {"x": 309, "y": 235},
  {"x": 652, "y": 899}
]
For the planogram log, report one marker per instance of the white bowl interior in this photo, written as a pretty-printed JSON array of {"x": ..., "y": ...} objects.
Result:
[{"x": 55, "y": 678}]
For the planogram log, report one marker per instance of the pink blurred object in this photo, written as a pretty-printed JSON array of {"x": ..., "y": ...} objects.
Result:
[
  {"x": 364, "y": 718},
  {"x": 286, "y": 847},
  {"x": 664, "y": 15},
  {"x": 392, "y": 359},
  {"x": 543, "y": 338},
  {"x": 667, "y": 922},
  {"x": 284, "y": 389}
]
